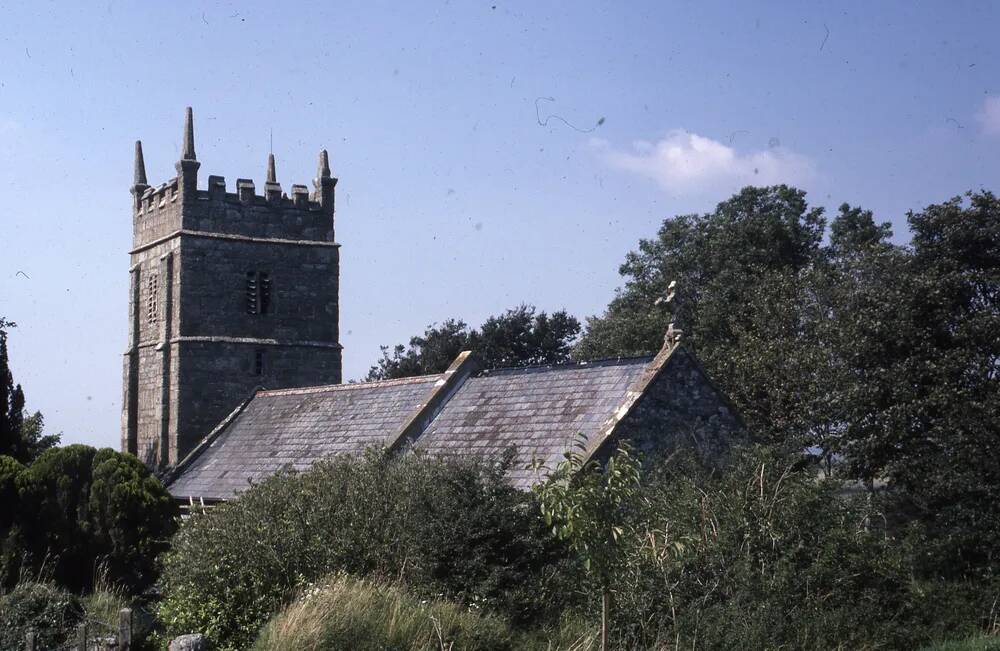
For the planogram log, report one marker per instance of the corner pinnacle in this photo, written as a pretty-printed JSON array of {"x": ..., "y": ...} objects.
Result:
[
  {"x": 324, "y": 165},
  {"x": 271, "y": 176},
  {"x": 188, "y": 151},
  {"x": 140, "y": 166}
]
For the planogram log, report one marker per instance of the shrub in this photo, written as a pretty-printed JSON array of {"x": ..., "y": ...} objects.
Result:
[
  {"x": 83, "y": 511},
  {"x": 51, "y": 612},
  {"x": 10, "y": 544},
  {"x": 767, "y": 556},
  {"x": 444, "y": 528}
]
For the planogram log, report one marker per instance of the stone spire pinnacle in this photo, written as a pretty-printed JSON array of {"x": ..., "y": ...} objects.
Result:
[
  {"x": 271, "y": 176},
  {"x": 324, "y": 165},
  {"x": 188, "y": 151},
  {"x": 140, "y": 166}
]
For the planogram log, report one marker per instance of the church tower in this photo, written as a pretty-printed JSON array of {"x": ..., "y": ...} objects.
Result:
[{"x": 229, "y": 292}]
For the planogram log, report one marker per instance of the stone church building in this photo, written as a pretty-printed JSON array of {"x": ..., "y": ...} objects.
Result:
[{"x": 233, "y": 367}]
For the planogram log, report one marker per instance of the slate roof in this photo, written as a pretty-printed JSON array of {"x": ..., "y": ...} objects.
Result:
[
  {"x": 541, "y": 411},
  {"x": 295, "y": 428}
]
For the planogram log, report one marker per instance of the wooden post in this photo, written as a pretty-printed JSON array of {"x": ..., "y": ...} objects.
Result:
[
  {"x": 29, "y": 642},
  {"x": 605, "y": 603},
  {"x": 125, "y": 629},
  {"x": 81, "y": 637}
]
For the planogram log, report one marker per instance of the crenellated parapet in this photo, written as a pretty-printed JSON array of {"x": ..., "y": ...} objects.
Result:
[{"x": 179, "y": 205}]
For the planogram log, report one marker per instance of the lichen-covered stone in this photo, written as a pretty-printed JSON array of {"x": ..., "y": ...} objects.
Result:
[{"x": 192, "y": 642}]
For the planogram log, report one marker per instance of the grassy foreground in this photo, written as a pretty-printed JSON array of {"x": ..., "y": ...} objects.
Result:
[
  {"x": 983, "y": 643},
  {"x": 367, "y": 615}
]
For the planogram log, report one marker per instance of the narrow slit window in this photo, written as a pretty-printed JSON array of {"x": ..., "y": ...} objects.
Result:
[
  {"x": 258, "y": 362},
  {"x": 258, "y": 292}
]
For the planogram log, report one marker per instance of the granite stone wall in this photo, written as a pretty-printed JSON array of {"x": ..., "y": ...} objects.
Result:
[
  {"x": 681, "y": 408},
  {"x": 200, "y": 339},
  {"x": 219, "y": 374}
]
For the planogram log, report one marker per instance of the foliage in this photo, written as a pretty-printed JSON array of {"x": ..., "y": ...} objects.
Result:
[
  {"x": 765, "y": 555},
  {"x": 81, "y": 512},
  {"x": 51, "y": 612},
  {"x": 340, "y": 612},
  {"x": 518, "y": 337},
  {"x": 978, "y": 643},
  {"x": 884, "y": 357},
  {"x": 21, "y": 434},
  {"x": 55, "y": 613},
  {"x": 591, "y": 505},
  {"x": 453, "y": 529},
  {"x": 345, "y": 613},
  {"x": 758, "y": 230},
  {"x": 11, "y": 546}
]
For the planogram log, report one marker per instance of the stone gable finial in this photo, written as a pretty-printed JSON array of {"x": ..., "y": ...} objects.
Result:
[
  {"x": 188, "y": 151},
  {"x": 673, "y": 335},
  {"x": 140, "y": 166}
]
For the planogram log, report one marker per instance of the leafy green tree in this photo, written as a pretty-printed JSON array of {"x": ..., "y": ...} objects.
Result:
[
  {"x": 83, "y": 511},
  {"x": 724, "y": 253},
  {"x": 518, "y": 337},
  {"x": 21, "y": 434},
  {"x": 855, "y": 232},
  {"x": 592, "y": 506},
  {"x": 928, "y": 413}
]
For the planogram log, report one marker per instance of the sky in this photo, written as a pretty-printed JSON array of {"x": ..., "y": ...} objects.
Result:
[{"x": 489, "y": 153}]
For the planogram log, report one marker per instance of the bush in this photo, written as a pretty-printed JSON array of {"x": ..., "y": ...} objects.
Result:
[
  {"x": 767, "y": 556},
  {"x": 51, "y": 612},
  {"x": 82, "y": 512},
  {"x": 454, "y": 529}
]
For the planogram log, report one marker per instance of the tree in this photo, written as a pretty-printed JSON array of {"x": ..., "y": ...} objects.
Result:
[
  {"x": 518, "y": 337},
  {"x": 927, "y": 415},
  {"x": 10, "y": 546},
  {"x": 883, "y": 356},
  {"x": 745, "y": 301},
  {"x": 21, "y": 435},
  {"x": 83, "y": 511},
  {"x": 591, "y": 505},
  {"x": 725, "y": 254}
]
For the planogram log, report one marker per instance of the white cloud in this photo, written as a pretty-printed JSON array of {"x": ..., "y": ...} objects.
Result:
[
  {"x": 686, "y": 163},
  {"x": 989, "y": 116}
]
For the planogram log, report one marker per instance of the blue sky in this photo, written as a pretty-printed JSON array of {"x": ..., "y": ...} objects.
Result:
[{"x": 461, "y": 193}]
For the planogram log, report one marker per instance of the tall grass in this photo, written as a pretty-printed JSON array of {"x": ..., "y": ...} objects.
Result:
[
  {"x": 369, "y": 615},
  {"x": 984, "y": 643}
]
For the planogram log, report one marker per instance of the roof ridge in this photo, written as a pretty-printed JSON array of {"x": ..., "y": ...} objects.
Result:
[
  {"x": 603, "y": 361},
  {"x": 415, "y": 379}
]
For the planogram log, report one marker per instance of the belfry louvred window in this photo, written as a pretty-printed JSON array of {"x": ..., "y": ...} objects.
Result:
[
  {"x": 258, "y": 292},
  {"x": 152, "y": 299}
]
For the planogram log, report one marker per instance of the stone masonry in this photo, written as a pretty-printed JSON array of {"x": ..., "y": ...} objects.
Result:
[{"x": 229, "y": 292}]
